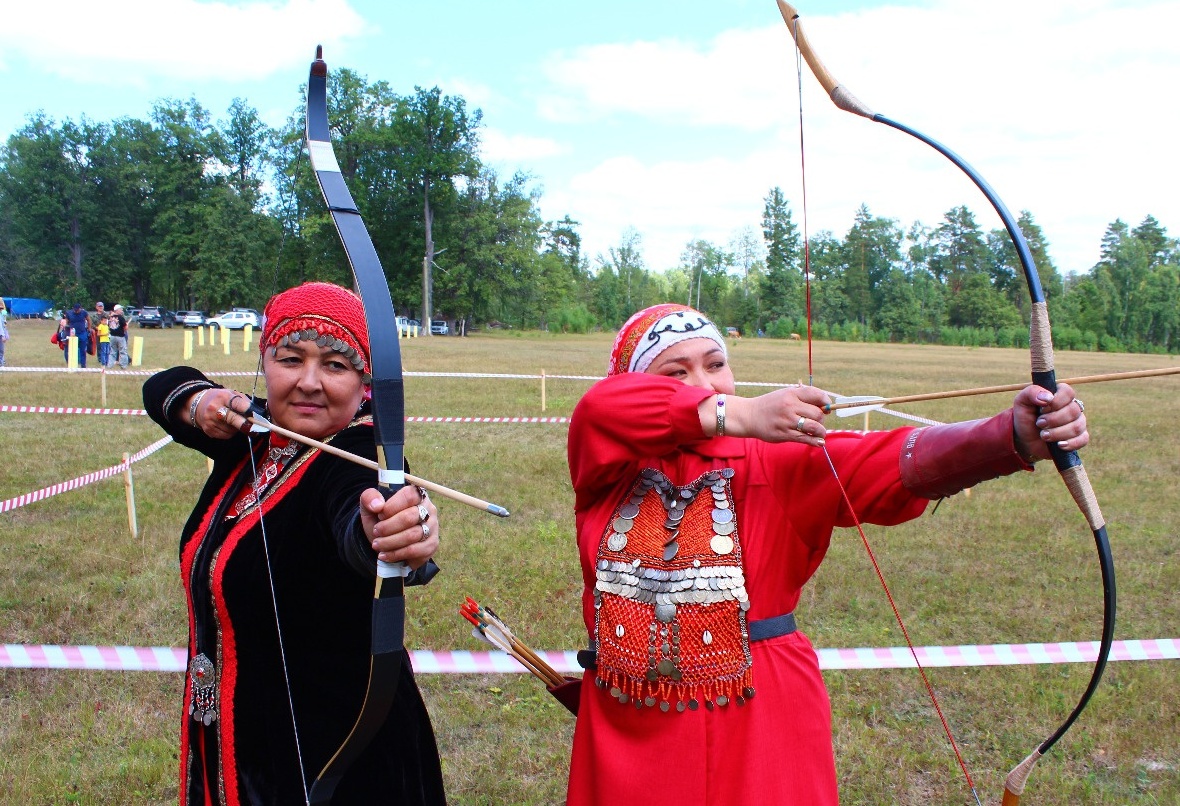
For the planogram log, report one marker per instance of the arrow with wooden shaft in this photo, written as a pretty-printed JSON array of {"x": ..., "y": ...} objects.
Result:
[{"x": 847, "y": 406}]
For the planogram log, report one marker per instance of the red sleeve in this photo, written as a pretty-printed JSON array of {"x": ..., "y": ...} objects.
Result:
[
  {"x": 869, "y": 469},
  {"x": 627, "y": 417}
]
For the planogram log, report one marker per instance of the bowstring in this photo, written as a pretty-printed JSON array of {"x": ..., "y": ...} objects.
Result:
[
  {"x": 803, "y": 183},
  {"x": 270, "y": 577},
  {"x": 933, "y": 696}
]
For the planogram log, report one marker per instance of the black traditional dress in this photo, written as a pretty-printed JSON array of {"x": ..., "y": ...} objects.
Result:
[{"x": 279, "y": 584}]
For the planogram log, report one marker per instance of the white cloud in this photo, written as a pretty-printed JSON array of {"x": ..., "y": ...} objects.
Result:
[
  {"x": 500, "y": 147},
  {"x": 117, "y": 41},
  {"x": 1057, "y": 104}
]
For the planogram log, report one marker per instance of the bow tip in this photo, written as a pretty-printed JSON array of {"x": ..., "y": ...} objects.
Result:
[{"x": 319, "y": 67}]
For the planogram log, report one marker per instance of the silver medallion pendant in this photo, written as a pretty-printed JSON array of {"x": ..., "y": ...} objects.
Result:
[{"x": 202, "y": 705}]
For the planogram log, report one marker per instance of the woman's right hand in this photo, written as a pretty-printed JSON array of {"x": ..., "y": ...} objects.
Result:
[
  {"x": 218, "y": 412},
  {"x": 792, "y": 414}
]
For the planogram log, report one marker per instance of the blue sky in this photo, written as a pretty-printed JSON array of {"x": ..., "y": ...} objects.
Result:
[{"x": 675, "y": 118}]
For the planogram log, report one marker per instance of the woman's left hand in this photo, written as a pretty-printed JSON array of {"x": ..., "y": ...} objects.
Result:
[
  {"x": 1040, "y": 417},
  {"x": 403, "y": 529}
]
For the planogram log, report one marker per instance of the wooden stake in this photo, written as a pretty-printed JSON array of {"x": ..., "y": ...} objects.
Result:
[
  {"x": 129, "y": 489},
  {"x": 542, "y": 390}
]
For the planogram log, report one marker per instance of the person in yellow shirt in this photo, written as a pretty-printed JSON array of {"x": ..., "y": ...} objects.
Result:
[{"x": 103, "y": 331}]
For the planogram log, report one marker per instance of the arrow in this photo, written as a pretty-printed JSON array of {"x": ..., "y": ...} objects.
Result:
[
  {"x": 445, "y": 492},
  {"x": 847, "y": 406}
]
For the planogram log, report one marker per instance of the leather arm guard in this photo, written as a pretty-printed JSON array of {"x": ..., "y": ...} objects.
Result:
[{"x": 945, "y": 459}]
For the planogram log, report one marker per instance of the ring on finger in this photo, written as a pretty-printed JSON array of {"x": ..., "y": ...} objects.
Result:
[
  {"x": 1081, "y": 405},
  {"x": 799, "y": 425},
  {"x": 425, "y": 531},
  {"x": 223, "y": 412},
  {"x": 423, "y": 514}
]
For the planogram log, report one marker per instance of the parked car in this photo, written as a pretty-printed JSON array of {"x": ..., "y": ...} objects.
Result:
[
  {"x": 152, "y": 316},
  {"x": 439, "y": 327},
  {"x": 191, "y": 318},
  {"x": 236, "y": 319}
]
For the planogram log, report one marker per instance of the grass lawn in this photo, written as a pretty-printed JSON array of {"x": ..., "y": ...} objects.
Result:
[{"x": 1013, "y": 562}]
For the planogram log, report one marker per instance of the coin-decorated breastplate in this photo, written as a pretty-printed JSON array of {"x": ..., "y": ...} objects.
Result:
[{"x": 670, "y": 599}]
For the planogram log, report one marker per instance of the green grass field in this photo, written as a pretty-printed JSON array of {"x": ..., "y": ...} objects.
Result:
[{"x": 1013, "y": 562}]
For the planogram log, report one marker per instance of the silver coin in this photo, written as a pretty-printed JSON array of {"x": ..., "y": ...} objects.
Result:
[
  {"x": 721, "y": 545},
  {"x": 719, "y": 516},
  {"x": 670, "y": 551},
  {"x": 650, "y": 702},
  {"x": 687, "y": 494},
  {"x": 723, "y": 700},
  {"x": 666, "y": 612},
  {"x": 722, "y": 503},
  {"x": 680, "y": 706},
  {"x": 665, "y": 667},
  {"x": 623, "y": 524},
  {"x": 617, "y": 541},
  {"x": 724, "y": 528},
  {"x": 727, "y": 473},
  {"x": 629, "y": 511}
]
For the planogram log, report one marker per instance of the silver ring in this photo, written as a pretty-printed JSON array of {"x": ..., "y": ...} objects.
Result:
[
  {"x": 799, "y": 425},
  {"x": 425, "y": 531},
  {"x": 1081, "y": 405},
  {"x": 223, "y": 412},
  {"x": 422, "y": 496},
  {"x": 423, "y": 514}
]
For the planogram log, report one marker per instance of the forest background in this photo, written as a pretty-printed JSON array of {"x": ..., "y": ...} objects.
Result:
[{"x": 187, "y": 212}]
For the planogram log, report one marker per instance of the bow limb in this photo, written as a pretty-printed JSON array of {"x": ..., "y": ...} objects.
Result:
[
  {"x": 388, "y": 405},
  {"x": 1069, "y": 465}
]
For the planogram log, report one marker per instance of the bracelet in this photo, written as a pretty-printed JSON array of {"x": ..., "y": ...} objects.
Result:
[
  {"x": 192, "y": 407},
  {"x": 720, "y": 415}
]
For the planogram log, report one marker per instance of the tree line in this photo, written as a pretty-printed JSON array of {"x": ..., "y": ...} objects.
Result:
[{"x": 188, "y": 212}]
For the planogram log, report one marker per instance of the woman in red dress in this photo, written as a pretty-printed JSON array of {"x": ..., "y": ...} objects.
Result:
[{"x": 700, "y": 516}]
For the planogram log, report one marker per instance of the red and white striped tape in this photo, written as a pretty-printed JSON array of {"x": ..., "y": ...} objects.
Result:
[
  {"x": 487, "y": 419},
  {"x": 143, "y": 412},
  {"x": 68, "y": 410},
  {"x": 425, "y": 661},
  {"x": 81, "y": 481}
]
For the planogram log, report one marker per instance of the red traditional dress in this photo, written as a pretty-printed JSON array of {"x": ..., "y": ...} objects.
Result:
[{"x": 654, "y": 730}]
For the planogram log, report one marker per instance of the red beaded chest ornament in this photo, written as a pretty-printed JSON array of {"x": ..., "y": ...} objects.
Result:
[{"x": 670, "y": 599}]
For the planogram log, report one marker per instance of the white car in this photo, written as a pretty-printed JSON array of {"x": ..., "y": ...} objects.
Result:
[{"x": 235, "y": 320}]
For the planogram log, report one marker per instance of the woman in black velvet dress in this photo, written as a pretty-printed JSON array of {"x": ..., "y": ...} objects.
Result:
[{"x": 278, "y": 561}]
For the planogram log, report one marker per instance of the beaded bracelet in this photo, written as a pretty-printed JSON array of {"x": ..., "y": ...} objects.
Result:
[{"x": 720, "y": 415}]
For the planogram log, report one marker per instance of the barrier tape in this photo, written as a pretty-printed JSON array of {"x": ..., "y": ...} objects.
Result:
[
  {"x": 425, "y": 661},
  {"x": 143, "y": 412},
  {"x": 81, "y": 481},
  {"x": 69, "y": 410},
  {"x": 244, "y": 374}
]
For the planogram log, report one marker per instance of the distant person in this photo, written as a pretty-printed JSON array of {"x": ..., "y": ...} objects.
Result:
[
  {"x": 79, "y": 322},
  {"x": 98, "y": 315},
  {"x": 102, "y": 332},
  {"x": 61, "y": 338},
  {"x": 118, "y": 325},
  {"x": 3, "y": 329}
]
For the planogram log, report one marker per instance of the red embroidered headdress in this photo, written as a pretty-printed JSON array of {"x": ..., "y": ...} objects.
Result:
[{"x": 322, "y": 312}]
